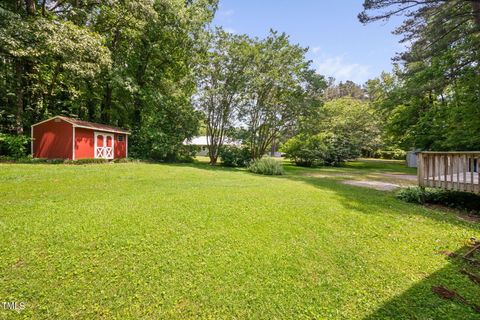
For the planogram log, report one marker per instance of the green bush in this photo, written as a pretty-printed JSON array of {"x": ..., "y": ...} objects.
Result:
[
  {"x": 30, "y": 160},
  {"x": 321, "y": 149},
  {"x": 267, "y": 166},
  {"x": 394, "y": 154},
  {"x": 235, "y": 156},
  {"x": 7, "y": 159},
  {"x": 413, "y": 195},
  {"x": 454, "y": 199},
  {"x": 85, "y": 161},
  {"x": 14, "y": 146},
  {"x": 62, "y": 161},
  {"x": 305, "y": 151},
  {"x": 42, "y": 160},
  {"x": 185, "y": 154},
  {"x": 124, "y": 160}
]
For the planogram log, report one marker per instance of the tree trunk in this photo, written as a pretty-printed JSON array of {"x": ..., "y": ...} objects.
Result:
[
  {"x": 90, "y": 102},
  {"x": 212, "y": 145},
  {"x": 140, "y": 77},
  {"x": 476, "y": 12},
  {"x": 137, "y": 100},
  {"x": 272, "y": 151},
  {"x": 30, "y": 7},
  {"x": 106, "y": 104},
  {"x": 19, "y": 94},
  {"x": 137, "y": 112}
]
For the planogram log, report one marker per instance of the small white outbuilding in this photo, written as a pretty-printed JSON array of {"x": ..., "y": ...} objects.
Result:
[{"x": 201, "y": 143}]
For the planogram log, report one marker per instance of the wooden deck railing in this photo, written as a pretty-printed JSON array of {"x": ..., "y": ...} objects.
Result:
[{"x": 457, "y": 171}]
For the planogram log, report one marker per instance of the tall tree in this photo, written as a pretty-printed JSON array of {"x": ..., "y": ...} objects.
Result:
[
  {"x": 344, "y": 89},
  {"x": 276, "y": 90},
  {"x": 222, "y": 80},
  {"x": 43, "y": 55},
  {"x": 436, "y": 90},
  {"x": 120, "y": 62}
]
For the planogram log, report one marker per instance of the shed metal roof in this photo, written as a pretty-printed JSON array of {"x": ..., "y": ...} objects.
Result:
[{"x": 202, "y": 141}]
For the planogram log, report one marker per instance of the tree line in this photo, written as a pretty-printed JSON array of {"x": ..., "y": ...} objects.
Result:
[
  {"x": 431, "y": 100},
  {"x": 157, "y": 68},
  {"x": 122, "y": 62}
]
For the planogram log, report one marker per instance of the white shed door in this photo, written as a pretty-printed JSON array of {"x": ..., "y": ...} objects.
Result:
[{"x": 104, "y": 145}]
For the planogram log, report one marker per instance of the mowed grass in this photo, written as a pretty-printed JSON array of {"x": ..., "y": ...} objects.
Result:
[{"x": 153, "y": 241}]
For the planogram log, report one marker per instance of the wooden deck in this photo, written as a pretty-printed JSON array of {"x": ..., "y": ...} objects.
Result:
[{"x": 458, "y": 171}]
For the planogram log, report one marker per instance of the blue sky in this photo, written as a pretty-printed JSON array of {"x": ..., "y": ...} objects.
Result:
[{"x": 340, "y": 46}]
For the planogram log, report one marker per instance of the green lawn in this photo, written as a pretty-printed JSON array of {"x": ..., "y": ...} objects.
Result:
[{"x": 131, "y": 241}]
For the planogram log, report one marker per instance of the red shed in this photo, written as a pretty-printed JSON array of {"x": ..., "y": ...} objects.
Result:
[{"x": 68, "y": 138}]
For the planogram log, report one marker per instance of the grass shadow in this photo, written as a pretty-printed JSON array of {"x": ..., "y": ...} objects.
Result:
[
  {"x": 417, "y": 301},
  {"x": 438, "y": 296},
  {"x": 365, "y": 200}
]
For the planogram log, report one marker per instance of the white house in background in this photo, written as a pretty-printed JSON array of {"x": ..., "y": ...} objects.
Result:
[{"x": 201, "y": 143}]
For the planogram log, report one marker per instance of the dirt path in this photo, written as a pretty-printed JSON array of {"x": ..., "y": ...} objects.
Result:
[
  {"x": 377, "y": 185},
  {"x": 409, "y": 177}
]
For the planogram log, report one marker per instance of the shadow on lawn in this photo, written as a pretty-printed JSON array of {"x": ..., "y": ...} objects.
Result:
[
  {"x": 365, "y": 200},
  {"x": 446, "y": 294},
  {"x": 419, "y": 301},
  {"x": 375, "y": 202}
]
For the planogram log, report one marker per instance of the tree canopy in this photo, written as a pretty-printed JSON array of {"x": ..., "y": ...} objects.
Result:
[
  {"x": 157, "y": 68},
  {"x": 430, "y": 101},
  {"x": 127, "y": 63}
]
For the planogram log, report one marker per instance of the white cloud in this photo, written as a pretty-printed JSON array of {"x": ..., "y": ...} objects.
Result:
[
  {"x": 341, "y": 70},
  {"x": 316, "y": 49},
  {"x": 226, "y": 13},
  {"x": 230, "y": 30}
]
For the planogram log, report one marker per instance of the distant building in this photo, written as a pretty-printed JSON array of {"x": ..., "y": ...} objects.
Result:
[
  {"x": 201, "y": 143},
  {"x": 412, "y": 158}
]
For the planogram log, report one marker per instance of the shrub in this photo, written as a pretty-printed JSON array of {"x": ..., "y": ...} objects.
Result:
[
  {"x": 305, "y": 151},
  {"x": 186, "y": 154},
  {"x": 412, "y": 195},
  {"x": 454, "y": 199},
  {"x": 235, "y": 156},
  {"x": 394, "y": 154},
  {"x": 124, "y": 160},
  {"x": 86, "y": 161},
  {"x": 339, "y": 149},
  {"x": 14, "y": 146},
  {"x": 267, "y": 166},
  {"x": 62, "y": 161},
  {"x": 7, "y": 159},
  {"x": 30, "y": 160},
  {"x": 321, "y": 149}
]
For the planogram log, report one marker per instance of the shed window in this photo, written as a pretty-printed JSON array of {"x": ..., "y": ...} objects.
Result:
[{"x": 120, "y": 137}]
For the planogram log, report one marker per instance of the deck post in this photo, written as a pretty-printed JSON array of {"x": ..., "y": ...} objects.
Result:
[{"x": 420, "y": 166}]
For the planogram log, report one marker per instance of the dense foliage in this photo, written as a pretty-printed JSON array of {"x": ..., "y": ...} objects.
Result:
[
  {"x": 14, "y": 146},
  {"x": 235, "y": 156},
  {"x": 344, "y": 129},
  {"x": 454, "y": 199},
  {"x": 431, "y": 100},
  {"x": 155, "y": 68},
  {"x": 305, "y": 150},
  {"x": 393, "y": 154},
  {"x": 122, "y": 62},
  {"x": 321, "y": 149},
  {"x": 266, "y": 85}
]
